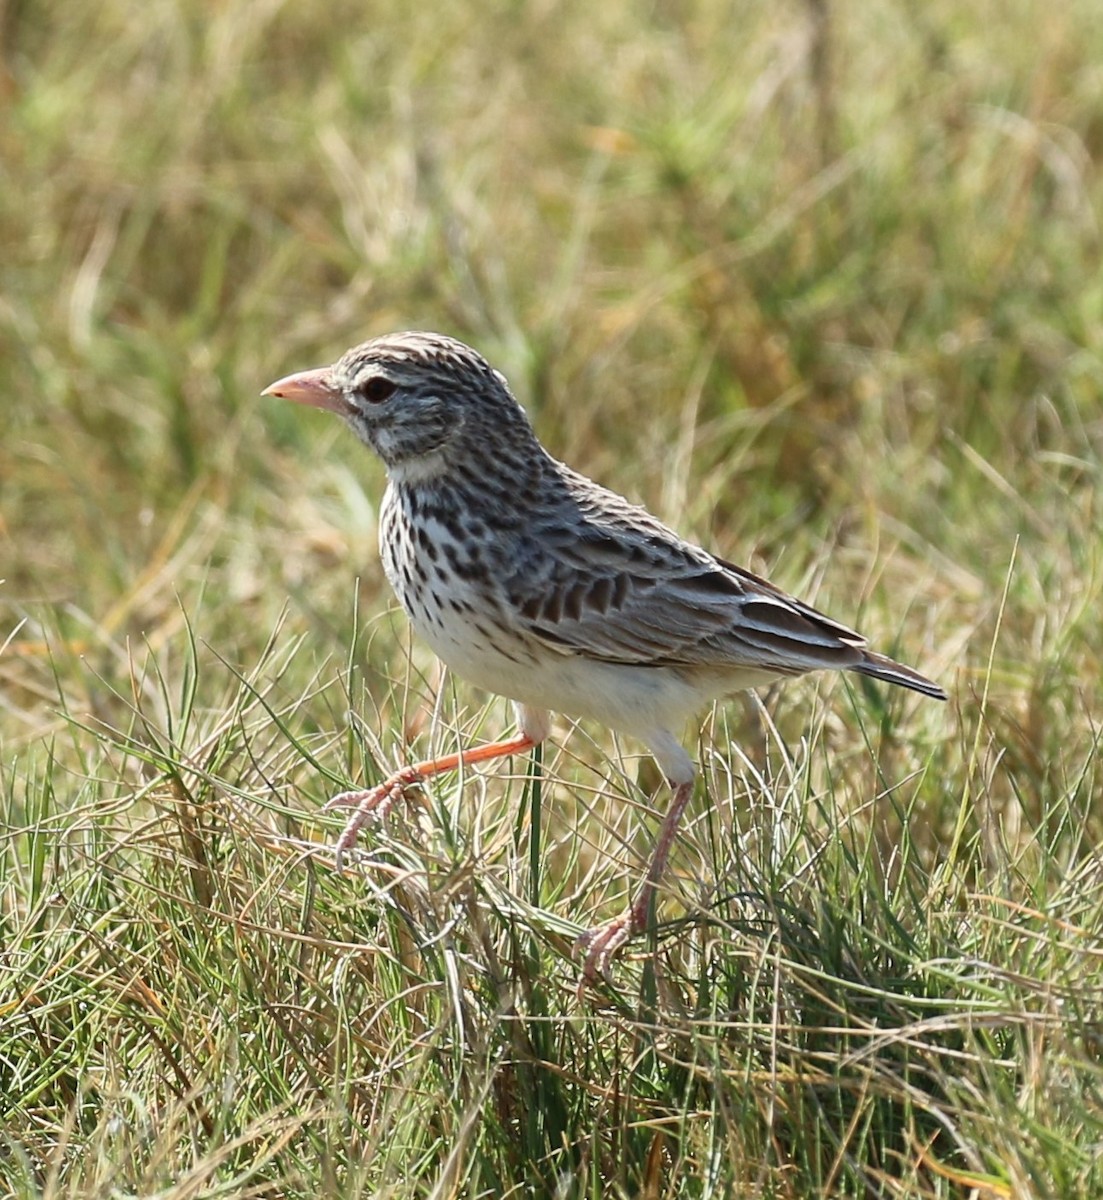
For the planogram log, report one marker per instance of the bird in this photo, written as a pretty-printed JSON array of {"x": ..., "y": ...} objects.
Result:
[{"x": 531, "y": 581}]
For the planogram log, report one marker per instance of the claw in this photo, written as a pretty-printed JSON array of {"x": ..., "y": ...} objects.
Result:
[
  {"x": 346, "y": 800},
  {"x": 600, "y": 945},
  {"x": 371, "y": 804},
  {"x": 604, "y": 942}
]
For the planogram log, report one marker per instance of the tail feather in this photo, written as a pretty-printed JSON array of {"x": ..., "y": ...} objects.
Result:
[{"x": 878, "y": 666}]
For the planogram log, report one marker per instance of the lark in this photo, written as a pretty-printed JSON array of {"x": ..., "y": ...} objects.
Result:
[{"x": 534, "y": 582}]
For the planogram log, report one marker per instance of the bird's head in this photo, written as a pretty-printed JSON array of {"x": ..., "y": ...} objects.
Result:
[{"x": 421, "y": 401}]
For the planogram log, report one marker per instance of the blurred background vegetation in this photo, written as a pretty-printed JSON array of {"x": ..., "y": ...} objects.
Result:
[{"x": 817, "y": 281}]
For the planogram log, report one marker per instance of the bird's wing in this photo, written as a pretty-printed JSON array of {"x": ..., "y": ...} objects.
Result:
[{"x": 615, "y": 584}]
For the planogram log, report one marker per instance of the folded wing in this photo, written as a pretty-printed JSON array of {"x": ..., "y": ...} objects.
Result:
[{"x": 625, "y": 589}]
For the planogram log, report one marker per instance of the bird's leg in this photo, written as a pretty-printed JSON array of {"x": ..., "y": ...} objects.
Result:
[
  {"x": 602, "y": 943},
  {"x": 377, "y": 801}
]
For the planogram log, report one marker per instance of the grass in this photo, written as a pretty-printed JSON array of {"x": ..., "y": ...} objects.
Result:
[{"x": 819, "y": 284}]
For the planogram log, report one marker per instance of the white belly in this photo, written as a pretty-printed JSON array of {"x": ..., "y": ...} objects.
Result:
[{"x": 640, "y": 701}]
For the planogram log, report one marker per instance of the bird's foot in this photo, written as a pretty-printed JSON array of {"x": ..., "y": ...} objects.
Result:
[
  {"x": 370, "y": 804},
  {"x": 603, "y": 942}
]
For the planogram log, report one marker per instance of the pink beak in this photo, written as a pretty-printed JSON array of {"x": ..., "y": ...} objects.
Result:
[{"x": 315, "y": 388}]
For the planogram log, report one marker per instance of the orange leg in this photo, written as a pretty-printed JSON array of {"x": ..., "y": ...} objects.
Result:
[
  {"x": 376, "y": 802},
  {"x": 602, "y": 943}
]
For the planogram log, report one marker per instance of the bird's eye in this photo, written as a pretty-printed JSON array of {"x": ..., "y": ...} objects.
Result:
[{"x": 378, "y": 389}]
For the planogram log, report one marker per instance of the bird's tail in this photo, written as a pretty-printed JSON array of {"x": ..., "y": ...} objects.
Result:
[{"x": 877, "y": 666}]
